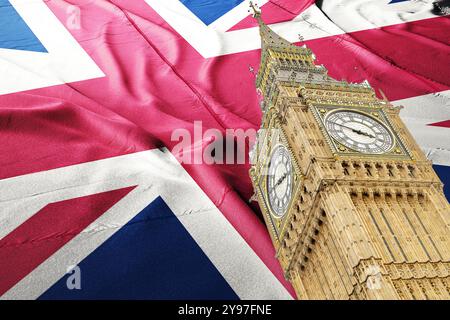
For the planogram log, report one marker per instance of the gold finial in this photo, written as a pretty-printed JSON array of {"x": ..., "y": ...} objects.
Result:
[
  {"x": 256, "y": 10},
  {"x": 268, "y": 37}
]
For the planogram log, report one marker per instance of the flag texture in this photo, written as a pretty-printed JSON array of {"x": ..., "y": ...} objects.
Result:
[{"x": 94, "y": 203}]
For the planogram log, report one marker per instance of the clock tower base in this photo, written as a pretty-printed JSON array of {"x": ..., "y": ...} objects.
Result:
[{"x": 365, "y": 244}]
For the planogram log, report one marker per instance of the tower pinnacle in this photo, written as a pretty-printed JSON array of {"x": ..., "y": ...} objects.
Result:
[
  {"x": 268, "y": 37},
  {"x": 256, "y": 10}
]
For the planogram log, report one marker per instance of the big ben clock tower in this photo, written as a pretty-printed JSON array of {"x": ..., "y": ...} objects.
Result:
[{"x": 353, "y": 206}]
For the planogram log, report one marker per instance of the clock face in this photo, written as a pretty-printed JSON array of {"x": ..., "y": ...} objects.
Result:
[
  {"x": 359, "y": 132},
  {"x": 279, "y": 181}
]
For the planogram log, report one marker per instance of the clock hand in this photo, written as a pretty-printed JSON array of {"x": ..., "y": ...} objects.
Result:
[
  {"x": 280, "y": 181},
  {"x": 347, "y": 127},
  {"x": 366, "y": 134},
  {"x": 360, "y": 132},
  {"x": 356, "y": 130},
  {"x": 370, "y": 135}
]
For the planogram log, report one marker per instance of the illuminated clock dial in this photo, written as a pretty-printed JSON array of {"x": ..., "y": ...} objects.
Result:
[
  {"x": 279, "y": 181},
  {"x": 359, "y": 132}
]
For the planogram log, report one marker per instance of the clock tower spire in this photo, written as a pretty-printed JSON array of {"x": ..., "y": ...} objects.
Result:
[
  {"x": 353, "y": 206},
  {"x": 269, "y": 39}
]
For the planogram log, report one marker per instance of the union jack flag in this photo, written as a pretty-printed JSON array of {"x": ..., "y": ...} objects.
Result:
[{"x": 90, "y": 93}]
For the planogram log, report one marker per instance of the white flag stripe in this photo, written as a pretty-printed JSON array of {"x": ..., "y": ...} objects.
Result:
[
  {"x": 369, "y": 14},
  {"x": 157, "y": 173},
  {"x": 213, "y": 40},
  {"x": 64, "y": 62},
  {"x": 421, "y": 111}
]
